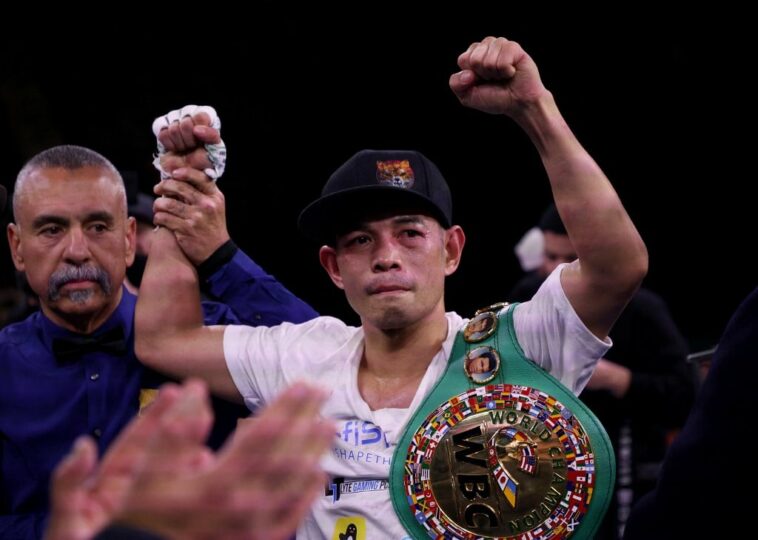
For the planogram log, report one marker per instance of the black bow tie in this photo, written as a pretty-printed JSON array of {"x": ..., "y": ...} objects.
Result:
[{"x": 69, "y": 349}]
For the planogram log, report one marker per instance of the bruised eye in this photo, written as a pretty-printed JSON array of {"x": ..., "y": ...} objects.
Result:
[{"x": 357, "y": 240}]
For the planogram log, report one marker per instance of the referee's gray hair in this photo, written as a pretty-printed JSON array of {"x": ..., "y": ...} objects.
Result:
[{"x": 65, "y": 156}]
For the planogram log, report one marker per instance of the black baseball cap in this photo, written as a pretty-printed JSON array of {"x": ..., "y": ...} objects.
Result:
[
  {"x": 551, "y": 221},
  {"x": 374, "y": 182}
]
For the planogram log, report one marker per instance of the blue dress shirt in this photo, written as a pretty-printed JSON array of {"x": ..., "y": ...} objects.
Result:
[{"x": 45, "y": 403}]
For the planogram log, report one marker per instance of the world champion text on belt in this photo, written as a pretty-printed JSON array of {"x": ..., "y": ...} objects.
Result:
[{"x": 531, "y": 445}]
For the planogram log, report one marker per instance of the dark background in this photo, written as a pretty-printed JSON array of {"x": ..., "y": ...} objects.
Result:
[{"x": 662, "y": 101}]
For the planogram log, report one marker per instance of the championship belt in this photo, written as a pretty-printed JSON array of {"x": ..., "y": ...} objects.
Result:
[{"x": 500, "y": 448}]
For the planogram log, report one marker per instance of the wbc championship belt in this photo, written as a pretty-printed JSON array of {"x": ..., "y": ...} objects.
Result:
[{"x": 500, "y": 448}]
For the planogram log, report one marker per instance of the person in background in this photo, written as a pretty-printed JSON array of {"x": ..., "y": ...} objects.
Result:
[{"x": 699, "y": 473}]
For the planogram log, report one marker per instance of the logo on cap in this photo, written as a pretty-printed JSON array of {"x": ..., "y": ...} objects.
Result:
[{"x": 397, "y": 173}]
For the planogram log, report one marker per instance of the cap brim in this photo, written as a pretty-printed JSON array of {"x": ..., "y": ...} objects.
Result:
[{"x": 321, "y": 220}]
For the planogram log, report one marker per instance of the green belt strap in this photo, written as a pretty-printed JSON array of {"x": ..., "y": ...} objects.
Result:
[{"x": 516, "y": 369}]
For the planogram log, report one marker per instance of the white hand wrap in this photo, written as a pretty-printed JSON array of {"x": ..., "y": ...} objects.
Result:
[{"x": 216, "y": 152}]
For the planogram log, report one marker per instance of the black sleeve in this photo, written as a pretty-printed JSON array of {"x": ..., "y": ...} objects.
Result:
[{"x": 656, "y": 352}]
